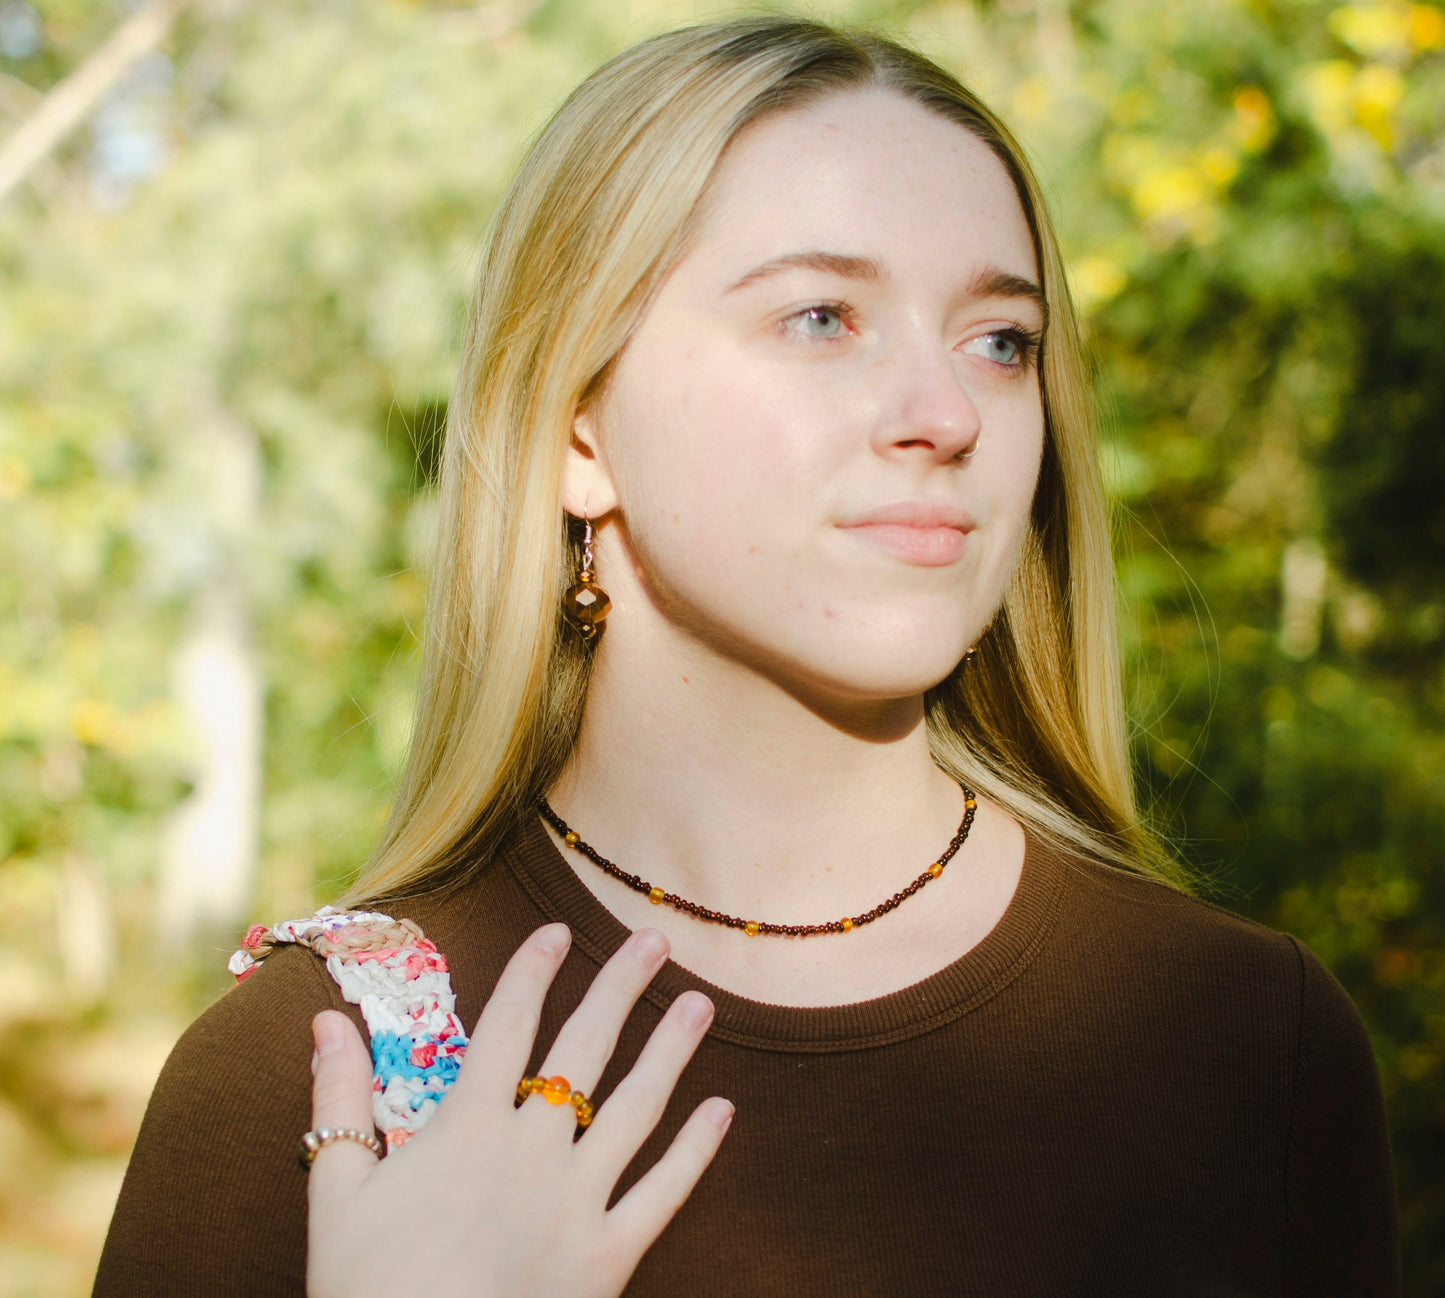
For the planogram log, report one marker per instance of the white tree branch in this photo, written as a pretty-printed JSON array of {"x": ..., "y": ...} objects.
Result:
[{"x": 75, "y": 98}]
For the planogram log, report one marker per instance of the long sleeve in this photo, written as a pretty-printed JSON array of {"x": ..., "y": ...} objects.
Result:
[
  {"x": 1342, "y": 1232},
  {"x": 213, "y": 1187},
  {"x": 1125, "y": 1092}
]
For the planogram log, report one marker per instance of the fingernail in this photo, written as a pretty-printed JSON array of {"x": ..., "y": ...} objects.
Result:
[
  {"x": 696, "y": 1011},
  {"x": 720, "y": 1112},
  {"x": 326, "y": 1032},
  {"x": 651, "y": 946},
  {"x": 555, "y": 939},
  {"x": 314, "y": 1058}
]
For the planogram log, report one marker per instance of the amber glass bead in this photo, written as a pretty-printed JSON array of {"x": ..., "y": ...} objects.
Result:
[
  {"x": 586, "y": 604},
  {"x": 751, "y": 928},
  {"x": 655, "y": 896},
  {"x": 936, "y": 869},
  {"x": 970, "y": 805},
  {"x": 557, "y": 1090},
  {"x": 847, "y": 926}
]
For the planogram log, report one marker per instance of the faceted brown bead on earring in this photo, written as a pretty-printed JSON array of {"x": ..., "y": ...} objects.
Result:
[{"x": 586, "y": 604}]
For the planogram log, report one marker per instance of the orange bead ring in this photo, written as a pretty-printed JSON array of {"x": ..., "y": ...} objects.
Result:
[{"x": 557, "y": 1090}]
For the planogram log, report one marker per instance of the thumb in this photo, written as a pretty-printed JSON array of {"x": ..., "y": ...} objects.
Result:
[{"x": 340, "y": 1097}]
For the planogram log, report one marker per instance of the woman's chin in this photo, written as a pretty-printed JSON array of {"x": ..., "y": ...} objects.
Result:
[{"x": 887, "y": 674}]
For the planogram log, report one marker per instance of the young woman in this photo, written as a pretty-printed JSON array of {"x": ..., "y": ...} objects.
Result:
[{"x": 772, "y": 344}]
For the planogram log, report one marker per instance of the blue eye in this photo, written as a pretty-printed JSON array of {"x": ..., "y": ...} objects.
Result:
[
  {"x": 1007, "y": 347},
  {"x": 1004, "y": 347},
  {"x": 819, "y": 321}
]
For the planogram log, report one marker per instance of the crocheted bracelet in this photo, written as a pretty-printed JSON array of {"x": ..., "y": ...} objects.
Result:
[{"x": 400, "y": 981}]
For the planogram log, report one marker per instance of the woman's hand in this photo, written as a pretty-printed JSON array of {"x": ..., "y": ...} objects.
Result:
[{"x": 490, "y": 1200}]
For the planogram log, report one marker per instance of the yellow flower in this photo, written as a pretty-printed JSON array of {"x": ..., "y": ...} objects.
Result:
[
  {"x": 92, "y": 721},
  {"x": 1031, "y": 97},
  {"x": 1096, "y": 279},
  {"x": 1219, "y": 165},
  {"x": 1169, "y": 191},
  {"x": 14, "y": 477},
  {"x": 1372, "y": 29},
  {"x": 1377, "y": 93},
  {"x": 1328, "y": 88},
  {"x": 1252, "y": 126},
  {"x": 1426, "y": 26}
]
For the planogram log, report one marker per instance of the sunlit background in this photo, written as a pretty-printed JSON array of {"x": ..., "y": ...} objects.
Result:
[{"x": 234, "y": 243}]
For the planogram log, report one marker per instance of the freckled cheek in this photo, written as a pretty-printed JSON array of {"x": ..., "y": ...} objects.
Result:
[
  {"x": 1011, "y": 417},
  {"x": 724, "y": 468},
  {"x": 691, "y": 499},
  {"x": 1013, "y": 501},
  {"x": 729, "y": 512}
]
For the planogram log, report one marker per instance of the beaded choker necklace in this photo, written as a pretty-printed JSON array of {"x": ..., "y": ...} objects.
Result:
[{"x": 752, "y": 927}]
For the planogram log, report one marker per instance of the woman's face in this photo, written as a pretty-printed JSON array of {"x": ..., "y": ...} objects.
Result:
[{"x": 822, "y": 441}]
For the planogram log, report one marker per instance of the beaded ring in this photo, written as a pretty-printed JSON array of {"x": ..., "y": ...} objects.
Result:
[
  {"x": 556, "y": 1090},
  {"x": 313, "y": 1142},
  {"x": 400, "y": 981}
]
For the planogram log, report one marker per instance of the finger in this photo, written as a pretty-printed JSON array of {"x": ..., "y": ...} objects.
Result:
[
  {"x": 636, "y": 1106},
  {"x": 502, "y": 1042},
  {"x": 588, "y": 1038},
  {"x": 340, "y": 1098},
  {"x": 640, "y": 1215}
]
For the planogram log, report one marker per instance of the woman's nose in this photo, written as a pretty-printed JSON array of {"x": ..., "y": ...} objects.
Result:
[{"x": 931, "y": 413}]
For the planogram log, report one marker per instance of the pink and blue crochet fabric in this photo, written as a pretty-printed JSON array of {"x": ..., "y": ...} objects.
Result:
[{"x": 400, "y": 982}]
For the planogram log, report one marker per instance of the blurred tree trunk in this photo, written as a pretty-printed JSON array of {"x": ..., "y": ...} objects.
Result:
[{"x": 209, "y": 852}]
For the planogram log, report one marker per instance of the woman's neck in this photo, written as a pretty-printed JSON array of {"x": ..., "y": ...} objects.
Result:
[{"x": 726, "y": 788}]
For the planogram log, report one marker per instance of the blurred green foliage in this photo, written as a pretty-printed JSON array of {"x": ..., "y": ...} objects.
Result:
[{"x": 228, "y": 314}]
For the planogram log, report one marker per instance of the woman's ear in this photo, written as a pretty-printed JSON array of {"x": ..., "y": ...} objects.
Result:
[{"x": 587, "y": 486}]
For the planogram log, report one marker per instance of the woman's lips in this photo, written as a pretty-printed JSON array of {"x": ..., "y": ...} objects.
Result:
[
  {"x": 928, "y": 547},
  {"x": 928, "y": 535}
]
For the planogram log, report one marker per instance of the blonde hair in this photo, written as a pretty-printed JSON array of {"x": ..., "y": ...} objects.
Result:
[{"x": 597, "y": 215}]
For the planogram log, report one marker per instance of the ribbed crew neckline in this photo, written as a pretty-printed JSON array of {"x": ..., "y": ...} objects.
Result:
[{"x": 947, "y": 994}]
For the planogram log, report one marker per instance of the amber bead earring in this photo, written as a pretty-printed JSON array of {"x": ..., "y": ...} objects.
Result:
[{"x": 586, "y": 603}]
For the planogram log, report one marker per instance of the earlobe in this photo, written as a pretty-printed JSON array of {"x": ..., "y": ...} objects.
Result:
[{"x": 587, "y": 487}]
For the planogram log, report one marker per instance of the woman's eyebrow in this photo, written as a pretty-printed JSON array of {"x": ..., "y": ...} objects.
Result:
[
  {"x": 993, "y": 282},
  {"x": 990, "y": 281},
  {"x": 832, "y": 263}
]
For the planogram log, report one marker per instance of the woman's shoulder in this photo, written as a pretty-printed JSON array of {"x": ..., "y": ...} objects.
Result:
[
  {"x": 1133, "y": 902},
  {"x": 247, "y": 1055},
  {"x": 213, "y": 1182},
  {"x": 1252, "y": 1021},
  {"x": 289, "y": 987},
  {"x": 1188, "y": 942}
]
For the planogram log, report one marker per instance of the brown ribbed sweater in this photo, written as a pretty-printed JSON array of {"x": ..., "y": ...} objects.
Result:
[{"x": 1119, "y": 1091}]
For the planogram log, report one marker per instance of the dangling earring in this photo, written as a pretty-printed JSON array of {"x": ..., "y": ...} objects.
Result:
[{"x": 586, "y": 603}]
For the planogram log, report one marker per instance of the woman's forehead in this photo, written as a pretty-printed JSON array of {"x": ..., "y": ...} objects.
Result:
[{"x": 868, "y": 172}]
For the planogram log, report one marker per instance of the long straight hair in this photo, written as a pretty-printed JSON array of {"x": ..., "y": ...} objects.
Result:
[{"x": 598, "y": 213}]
